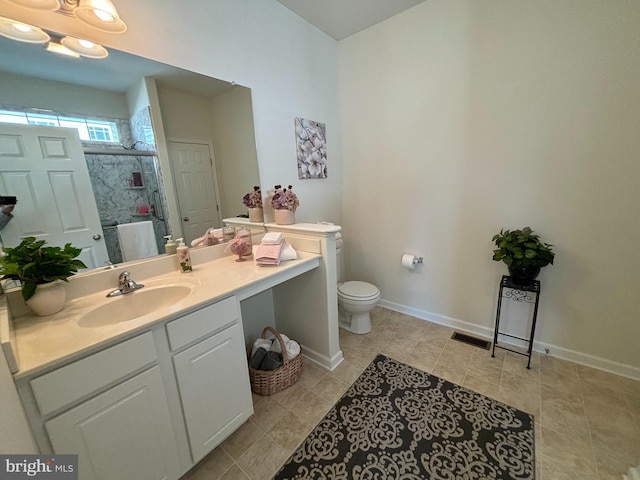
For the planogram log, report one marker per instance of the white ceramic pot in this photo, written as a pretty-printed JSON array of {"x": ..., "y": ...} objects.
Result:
[
  {"x": 285, "y": 216},
  {"x": 256, "y": 215},
  {"x": 48, "y": 299}
]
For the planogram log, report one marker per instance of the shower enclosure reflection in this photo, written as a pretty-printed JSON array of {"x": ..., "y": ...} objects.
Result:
[{"x": 120, "y": 200}]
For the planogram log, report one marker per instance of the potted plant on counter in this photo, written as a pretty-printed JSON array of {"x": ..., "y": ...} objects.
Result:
[
  {"x": 284, "y": 203},
  {"x": 40, "y": 269},
  {"x": 253, "y": 201},
  {"x": 523, "y": 253}
]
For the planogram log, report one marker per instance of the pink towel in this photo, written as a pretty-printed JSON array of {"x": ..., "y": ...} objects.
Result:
[{"x": 268, "y": 254}]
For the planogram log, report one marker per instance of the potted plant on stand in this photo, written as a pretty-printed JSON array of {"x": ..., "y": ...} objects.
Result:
[
  {"x": 253, "y": 201},
  {"x": 523, "y": 253},
  {"x": 284, "y": 203},
  {"x": 40, "y": 269}
]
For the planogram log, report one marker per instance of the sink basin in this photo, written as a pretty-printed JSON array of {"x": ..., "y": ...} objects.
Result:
[{"x": 135, "y": 305}]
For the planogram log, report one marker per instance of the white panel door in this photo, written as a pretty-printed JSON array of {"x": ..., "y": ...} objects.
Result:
[
  {"x": 45, "y": 168},
  {"x": 195, "y": 187},
  {"x": 124, "y": 433},
  {"x": 214, "y": 388}
]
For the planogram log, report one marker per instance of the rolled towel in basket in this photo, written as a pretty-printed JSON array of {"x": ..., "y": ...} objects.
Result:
[
  {"x": 261, "y": 342},
  {"x": 293, "y": 347},
  {"x": 257, "y": 357},
  {"x": 271, "y": 361}
]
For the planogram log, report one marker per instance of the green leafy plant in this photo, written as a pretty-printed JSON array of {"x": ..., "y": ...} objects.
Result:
[
  {"x": 34, "y": 264},
  {"x": 522, "y": 248}
]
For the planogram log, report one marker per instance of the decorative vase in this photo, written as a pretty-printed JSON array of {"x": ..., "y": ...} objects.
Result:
[
  {"x": 524, "y": 275},
  {"x": 48, "y": 298},
  {"x": 256, "y": 215},
  {"x": 284, "y": 216}
]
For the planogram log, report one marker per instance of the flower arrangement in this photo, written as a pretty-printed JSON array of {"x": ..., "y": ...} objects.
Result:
[
  {"x": 253, "y": 199},
  {"x": 284, "y": 199}
]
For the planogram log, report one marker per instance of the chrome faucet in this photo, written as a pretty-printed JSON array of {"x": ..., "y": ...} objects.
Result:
[{"x": 125, "y": 285}]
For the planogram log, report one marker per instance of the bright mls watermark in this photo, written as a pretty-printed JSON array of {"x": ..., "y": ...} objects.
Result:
[{"x": 49, "y": 467}]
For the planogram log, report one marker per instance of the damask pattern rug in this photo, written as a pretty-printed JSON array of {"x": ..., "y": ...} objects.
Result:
[{"x": 399, "y": 423}]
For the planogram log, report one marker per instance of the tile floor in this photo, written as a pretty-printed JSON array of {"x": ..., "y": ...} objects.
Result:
[{"x": 587, "y": 422}]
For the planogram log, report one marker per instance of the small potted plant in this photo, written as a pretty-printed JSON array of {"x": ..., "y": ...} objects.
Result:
[
  {"x": 523, "y": 253},
  {"x": 253, "y": 201},
  {"x": 39, "y": 269},
  {"x": 284, "y": 203}
]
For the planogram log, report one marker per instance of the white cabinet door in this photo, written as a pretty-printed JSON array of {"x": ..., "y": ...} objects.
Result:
[
  {"x": 123, "y": 433},
  {"x": 214, "y": 387}
]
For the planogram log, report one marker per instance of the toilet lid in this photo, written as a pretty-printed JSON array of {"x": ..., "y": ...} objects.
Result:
[{"x": 358, "y": 290}]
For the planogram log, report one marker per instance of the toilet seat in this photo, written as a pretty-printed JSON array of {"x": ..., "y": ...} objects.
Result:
[{"x": 358, "y": 291}]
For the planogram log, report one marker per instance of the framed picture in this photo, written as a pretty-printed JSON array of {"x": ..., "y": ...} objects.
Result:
[{"x": 311, "y": 148}]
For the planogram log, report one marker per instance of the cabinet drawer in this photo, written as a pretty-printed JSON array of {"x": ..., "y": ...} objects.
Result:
[
  {"x": 191, "y": 327},
  {"x": 67, "y": 384}
]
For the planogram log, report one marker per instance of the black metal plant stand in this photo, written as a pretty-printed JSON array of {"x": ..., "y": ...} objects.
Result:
[{"x": 517, "y": 293}]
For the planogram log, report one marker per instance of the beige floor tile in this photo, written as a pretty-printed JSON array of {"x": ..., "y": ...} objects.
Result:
[
  {"x": 311, "y": 408},
  {"x": 267, "y": 413},
  {"x": 454, "y": 359},
  {"x": 311, "y": 375},
  {"x": 482, "y": 386},
  {"x": 289, "y": 432},
  {"x": 517, "y": 365},
  {"x": 424, "y": 362},
  {"x": 240, "y": 441},
  {"x": 561, "y": 380},
  {"x": 557, "y": 365},
  {"x": 521, "y": 401},
  {"x": 234, "y": 473},
  {"x": 429, "y": 346},
  {"x": 579, "y": 455},
  {"x": 448, "y": 373},
  {"x": 439, "y": 331},
  {"x": 289, "y": 396},
  {"x": 490, "y": 373},
  {"x": 611, "y": 465},
  {"x": 263, "y": 459},
  {"x": 330, "y": 388},
  {"x": 347, "y": 373},
  {"x": 527, "y": 385},
  {"x": 554, "y": 469}
]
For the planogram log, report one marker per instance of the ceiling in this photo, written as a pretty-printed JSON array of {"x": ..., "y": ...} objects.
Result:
[{"x": 341, "y": 18}]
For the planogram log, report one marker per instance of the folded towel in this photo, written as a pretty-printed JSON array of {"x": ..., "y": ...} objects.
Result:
[
  {"x": 261, "y": 343},
  {"x": 268, "y": 254},
  {"x": 287, "y": 252},
  {"x": 272, "y": 238},
  {"x": 137, "y": 240}
]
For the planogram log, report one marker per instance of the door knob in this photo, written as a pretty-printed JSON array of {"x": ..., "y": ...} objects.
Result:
[
  {"x": 186, "y": 219},
  {"x": 97, "y": 236}
]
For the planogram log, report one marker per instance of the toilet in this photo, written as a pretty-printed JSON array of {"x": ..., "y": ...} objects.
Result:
[{"x": 355, "y": 299}]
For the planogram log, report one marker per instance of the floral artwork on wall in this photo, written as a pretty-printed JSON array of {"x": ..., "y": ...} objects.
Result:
[{"x": 311, "y": 148}]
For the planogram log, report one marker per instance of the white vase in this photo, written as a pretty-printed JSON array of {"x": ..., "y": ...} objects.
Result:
[
  {"x": 285, "y": 216},
  {"x": 48, "y": 299},
  {"x": 256, "y": 215}
]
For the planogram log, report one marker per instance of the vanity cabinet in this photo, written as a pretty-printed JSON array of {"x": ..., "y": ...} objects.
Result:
[
  {"x": 150, "y": 406},
  {"x": 124, "y": 432},
  {"x": 212, "y": 374}
]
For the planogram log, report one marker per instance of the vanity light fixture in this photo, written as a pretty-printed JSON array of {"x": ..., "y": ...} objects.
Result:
[
  {"x": 22, "y": 32},
  {"x": 59, "y": 48},
  {"x": 84, "y": 48},
  {"x": 99, "y": 14}
]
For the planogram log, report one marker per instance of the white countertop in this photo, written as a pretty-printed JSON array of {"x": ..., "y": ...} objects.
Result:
[{"x": 44, "y": 342}]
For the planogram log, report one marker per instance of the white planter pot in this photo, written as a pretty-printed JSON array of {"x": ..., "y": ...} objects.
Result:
[
  {"x": 284, "y": 216},
  {"x": 48, "y": 299},
  {"x": 256, "y": 215}
]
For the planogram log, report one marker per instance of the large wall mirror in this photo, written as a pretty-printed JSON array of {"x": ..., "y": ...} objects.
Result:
[{"x": 182, "y": 156}]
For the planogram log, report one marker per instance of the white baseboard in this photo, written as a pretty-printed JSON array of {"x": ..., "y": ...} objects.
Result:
[
  {"x": 322, "y": 360},
  {"x": 628, "y": 371}
]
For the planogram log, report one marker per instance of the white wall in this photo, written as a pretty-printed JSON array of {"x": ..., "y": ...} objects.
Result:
[
  {"x": 30, "y": 92},
  {"x": 461, "y": 117}
]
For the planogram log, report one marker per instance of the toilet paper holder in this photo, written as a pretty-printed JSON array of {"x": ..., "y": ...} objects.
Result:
[
  {"x": 410, "y": 261},
  {"x": 417, "y": 260}
]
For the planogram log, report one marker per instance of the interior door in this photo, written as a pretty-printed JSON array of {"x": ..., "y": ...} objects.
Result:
[
  {"x": 45, "y": 168},
  {"x": 192, "y": 165}
]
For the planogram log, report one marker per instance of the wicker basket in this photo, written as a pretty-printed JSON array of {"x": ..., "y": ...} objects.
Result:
[{"x": 268, "y": 382}]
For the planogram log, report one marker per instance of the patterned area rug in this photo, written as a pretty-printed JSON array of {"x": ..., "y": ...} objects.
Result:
[{"x": 397, "y": 422}]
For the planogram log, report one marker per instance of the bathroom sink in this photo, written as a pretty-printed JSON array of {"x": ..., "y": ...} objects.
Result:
[{"x": 135, "y": 305}]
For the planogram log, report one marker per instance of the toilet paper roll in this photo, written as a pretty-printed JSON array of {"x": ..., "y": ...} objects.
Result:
[{"x": 409, "y": 261}]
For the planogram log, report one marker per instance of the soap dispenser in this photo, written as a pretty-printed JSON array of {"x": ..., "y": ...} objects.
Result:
[
  {"x": 184, "y": 256},
  {"x": 170, "y": 247}
]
